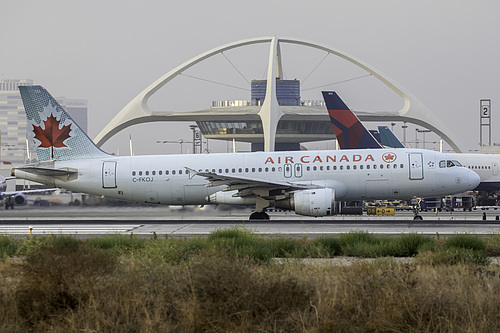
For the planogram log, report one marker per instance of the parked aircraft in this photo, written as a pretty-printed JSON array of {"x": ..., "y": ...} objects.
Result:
[
  {"x": 307, "y": 182},
  {"x": 15, "y": 198},
  {"x": 485, "y": 165}
]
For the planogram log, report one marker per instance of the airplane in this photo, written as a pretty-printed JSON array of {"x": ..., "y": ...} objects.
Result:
[
  {"x": 485, "y": 165},
  {"x": 308, "y": 182},
  {"x": 15, "y": 198}
]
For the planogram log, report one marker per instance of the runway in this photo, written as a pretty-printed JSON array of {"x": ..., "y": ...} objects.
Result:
[{"x": 144, "y": 222}]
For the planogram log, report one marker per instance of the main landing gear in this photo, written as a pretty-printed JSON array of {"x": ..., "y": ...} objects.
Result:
[
  {"x": 416, "y": 209},
  {"x": 9, "y": 203},
  {"x": 259, "y": 216}
]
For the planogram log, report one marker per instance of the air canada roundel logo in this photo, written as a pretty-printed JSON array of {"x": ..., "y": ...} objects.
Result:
[{"x": 389, "y": 157}]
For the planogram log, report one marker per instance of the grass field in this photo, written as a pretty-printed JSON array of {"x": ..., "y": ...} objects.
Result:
[{"x": 227, "y": 282}]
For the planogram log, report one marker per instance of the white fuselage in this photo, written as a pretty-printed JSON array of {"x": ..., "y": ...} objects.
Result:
[
  {"x": 485, "y": 165},
  {"x": 354, "y": 174}
]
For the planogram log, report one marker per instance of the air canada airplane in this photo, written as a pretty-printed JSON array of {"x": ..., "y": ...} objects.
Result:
[
  {"x": 307, "y": 182},
  {"x": 485, "y": 165},
  {"x": 347, "y": 125}
]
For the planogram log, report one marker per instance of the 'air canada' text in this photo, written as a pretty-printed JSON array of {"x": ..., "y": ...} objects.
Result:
[{"x": 319, "y": 159}]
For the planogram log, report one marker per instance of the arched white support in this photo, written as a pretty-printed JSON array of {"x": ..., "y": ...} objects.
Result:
[{"x": 413, "y": 111}]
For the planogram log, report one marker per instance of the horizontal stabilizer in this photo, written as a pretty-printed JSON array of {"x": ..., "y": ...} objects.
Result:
[{"x": 46, "y": 171}]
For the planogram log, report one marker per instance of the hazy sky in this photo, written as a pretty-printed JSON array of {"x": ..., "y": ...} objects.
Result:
[{"x": 445, "y": 52}]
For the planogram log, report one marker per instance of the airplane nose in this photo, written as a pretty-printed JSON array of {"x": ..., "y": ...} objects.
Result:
[{"x": 473, "y": 179}]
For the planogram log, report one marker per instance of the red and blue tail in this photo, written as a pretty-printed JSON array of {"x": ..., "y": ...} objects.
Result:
[{"x": 350, "y": 132}]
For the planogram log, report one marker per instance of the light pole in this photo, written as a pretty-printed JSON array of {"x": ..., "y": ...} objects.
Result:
[
  {"x": 423, "y": 131},
  {"x": 404, "y": 132}
]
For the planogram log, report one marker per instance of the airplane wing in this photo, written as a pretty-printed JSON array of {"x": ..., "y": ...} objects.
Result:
[
  {"x": 8, "y": 194},
  {"x": 247, "y": 186}
]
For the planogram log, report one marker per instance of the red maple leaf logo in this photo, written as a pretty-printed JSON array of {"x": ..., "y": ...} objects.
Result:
[
  {"x": 389, "y": 157},
  {"x": 52, "y": 136}
]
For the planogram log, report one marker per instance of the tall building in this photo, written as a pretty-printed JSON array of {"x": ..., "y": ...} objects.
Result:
[{"x": 13, "y": 120}]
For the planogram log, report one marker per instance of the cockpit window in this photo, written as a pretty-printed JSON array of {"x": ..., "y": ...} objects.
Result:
[
  {"x": 442, "y": 164},
  {"x": 457, "y": 163}
]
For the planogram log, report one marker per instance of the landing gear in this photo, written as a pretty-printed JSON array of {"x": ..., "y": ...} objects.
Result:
[
  {"x": 259, "y": 216},
  {"x": 416, "y": 209},
  {"x": 9, "y": 203}
]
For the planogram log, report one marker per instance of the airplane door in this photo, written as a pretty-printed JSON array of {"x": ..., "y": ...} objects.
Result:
[
  {"x": 416, "y": 166},
  {"x": 109, "y": 174},
  {"x": 298, "y": 170},
  {"x": 288, "y": 170},
  {"x": 494, "y": 168}
]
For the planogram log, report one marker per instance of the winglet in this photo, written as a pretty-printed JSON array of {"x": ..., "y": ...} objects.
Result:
[
  {"x": 350, "y": 132},
  {"x": 191, "y": 172}
]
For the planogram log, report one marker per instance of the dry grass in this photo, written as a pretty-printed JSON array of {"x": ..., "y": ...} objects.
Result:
[{"x": 66, "y": 286}]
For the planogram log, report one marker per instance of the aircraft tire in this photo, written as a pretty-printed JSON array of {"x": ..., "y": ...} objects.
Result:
[
  {"x": 418, "y": 218},
  {"x": 259, "y": 216}
]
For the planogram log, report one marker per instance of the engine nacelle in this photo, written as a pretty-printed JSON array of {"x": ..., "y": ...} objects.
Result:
[
  {"x": 227, "y": 198},
  {"x": 318, "y": 202},
  {"x": 20, "y": 199}
]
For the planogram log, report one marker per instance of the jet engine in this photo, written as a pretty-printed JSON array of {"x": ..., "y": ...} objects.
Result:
[
  {"x": 317, "y": 202},
  {"x": 20, "y": 199}
]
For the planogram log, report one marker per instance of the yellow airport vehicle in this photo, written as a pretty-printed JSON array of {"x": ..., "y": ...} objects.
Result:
[{"x": 379, "y": 211}]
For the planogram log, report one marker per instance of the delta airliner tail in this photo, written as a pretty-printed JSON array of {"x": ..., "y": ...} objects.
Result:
[
  {"x": 55, "y": 134},
  {"x": 350, "y": 132}
]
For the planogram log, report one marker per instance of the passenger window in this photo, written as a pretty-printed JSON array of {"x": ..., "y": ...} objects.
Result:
[
  {"x": 374, "y": 166},
  {"x": 361, "y": 167},
  {"x": 153, "y": 173},
  {"x": 354, "y": 166},
  {"x": 246, "y": 169},
  {"x": 266, "y": 169},
  {"x": 401, "y": 166},
  {"x": 173, "y": 172},
  {"x": 220, "y": 170},
  {"x": 368, "y": 166},
  {"x": 321, "y": 168},
  {"x": 240, "y": 170},
  {"x": 308, "y": 168},
  {"x": 227, "y": 170},
  {"x": 160, "y": 172},
  {"x": 180, "y": 172},
  {"x": 133, "y": 173},
  {"x": 381, "y": 166},
  {"x": 253, "y": 169},
  {"x": 315, "y": 168},
  {"x": 273, "y": 169},
  {"x": 327, "y": 168},
  {"x": 341, "y": 167},
  {"x": 147, "y": 173},
  {"x": 334, "y": 167},
  {"x": 166, "y": 172},
  {"x": 140, "y": 173},
  {"x": 395, "y": 166},
  {"x": 348, "y": 167},
  {"x": 233, "y": 170},
  {"x": 260, "y": 169}
]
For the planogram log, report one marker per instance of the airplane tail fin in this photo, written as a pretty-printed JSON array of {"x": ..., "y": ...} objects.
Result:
[
  {"x": 388, "y": 138},
  {"x": 56, "y": 136},
  {"x": 350, "y": 132}
]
